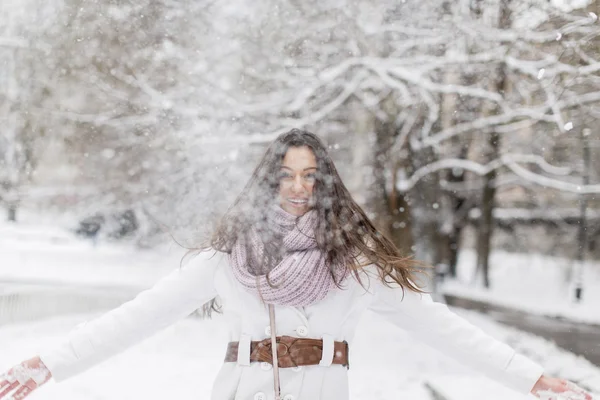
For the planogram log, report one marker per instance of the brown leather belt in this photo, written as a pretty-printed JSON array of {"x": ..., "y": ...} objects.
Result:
[{"x": 291, "y": 352}]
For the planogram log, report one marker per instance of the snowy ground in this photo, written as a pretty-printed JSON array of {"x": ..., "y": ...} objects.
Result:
[
  {"x": 531, "y": 282},
  {"x": 47, "y": 254},
  {"x": 177, "y": 362}
]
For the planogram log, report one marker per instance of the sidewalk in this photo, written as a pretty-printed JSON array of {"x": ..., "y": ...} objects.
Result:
[
  {"x": 556, "y": 361},
  {"x": 531, "y": 283}
]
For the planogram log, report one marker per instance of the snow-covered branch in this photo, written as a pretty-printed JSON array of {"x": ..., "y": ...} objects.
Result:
[
  {"x": 495, "y": 35},
  {"x": 414, "y": 77},
  {"x": 509, "y": 160},
  {"x": 314, "y": 116},
  {"x": 102, "y": 119},
  {"x": 534, "y": 113},
  {"x": 552, "y": 183},
  {"x": 399, "y": 28}
]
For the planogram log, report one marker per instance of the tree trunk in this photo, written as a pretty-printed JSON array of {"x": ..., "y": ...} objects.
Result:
[
  {"x": 486, "y": 220},
  {"x": 375, "y": 169},
  {"x": 426, "y": 205},
  {"x": 391, "y": 207},
  {"x": 400, "y": 221},
  {"x": 453, "y": 248},
  {"x": 455, "y": 214},
  {"x": 499, "y": 85},
  {"x": 456, "y": 217},
  {"x": 12, "y": 213},
  {"x": 582, "y": 237},
  {"x": 460, "y": 214}
]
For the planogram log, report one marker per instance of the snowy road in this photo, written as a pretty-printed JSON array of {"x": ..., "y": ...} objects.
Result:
[{"x": 580, "y": 338}]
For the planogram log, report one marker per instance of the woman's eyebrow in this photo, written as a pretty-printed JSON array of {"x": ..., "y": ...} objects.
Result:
[{"x": 305, "y": 169}]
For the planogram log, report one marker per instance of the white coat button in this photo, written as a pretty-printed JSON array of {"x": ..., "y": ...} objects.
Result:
[
  {"x": 297, "y": 369},
  {"x": 288, "y": 397},
  {"x": 302, "y": 331},
  {"x": 268, "y": 331},
  {"x": 260, "y": 396},
  {"x": 265, "y": 366}
]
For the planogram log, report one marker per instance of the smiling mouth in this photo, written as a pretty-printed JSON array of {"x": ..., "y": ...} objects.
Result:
[{"x": 298, "y": 202}]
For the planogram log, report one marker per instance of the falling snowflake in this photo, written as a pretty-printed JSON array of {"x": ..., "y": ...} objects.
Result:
[
  {"x": 108, "y": 153},
  {"x": 568, "y": 126},
  {"x": 541, "y": 73}
]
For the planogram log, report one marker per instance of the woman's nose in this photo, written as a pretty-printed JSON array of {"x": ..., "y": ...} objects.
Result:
[{"x": 297, "y": 185}]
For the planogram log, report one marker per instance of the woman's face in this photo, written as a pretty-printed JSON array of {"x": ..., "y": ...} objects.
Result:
[{"x": 297, "y": 180}]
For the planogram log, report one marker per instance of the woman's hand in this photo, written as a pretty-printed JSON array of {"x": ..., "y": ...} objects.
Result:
[
  {"x": 23, "y": 379},
  {"x": 548, "y": 388}
]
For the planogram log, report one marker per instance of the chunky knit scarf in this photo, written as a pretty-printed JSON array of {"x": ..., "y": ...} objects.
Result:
[{"x": 302, "y": 276}]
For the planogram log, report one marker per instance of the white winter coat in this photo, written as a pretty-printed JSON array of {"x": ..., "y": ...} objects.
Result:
[{"x": 334, "y": 318}]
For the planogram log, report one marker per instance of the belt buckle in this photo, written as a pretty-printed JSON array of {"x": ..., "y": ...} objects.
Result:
[
  {"x": 285, "y": 344},
  {"x": 285, "y": 359}
]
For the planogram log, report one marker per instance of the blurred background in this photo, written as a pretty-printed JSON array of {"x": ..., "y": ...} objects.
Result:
[{"x": 467, "y": 129}]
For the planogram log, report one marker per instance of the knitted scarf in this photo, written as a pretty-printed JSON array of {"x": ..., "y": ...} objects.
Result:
[{"x": 301, "y": 277}]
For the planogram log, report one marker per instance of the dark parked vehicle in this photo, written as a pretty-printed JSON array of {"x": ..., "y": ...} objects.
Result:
[{"x": 114, "y": 225}]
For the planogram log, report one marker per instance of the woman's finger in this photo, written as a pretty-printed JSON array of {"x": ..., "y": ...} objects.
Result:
[
  {"x": 588, "y": 396},
  {"x": 7, "y": 378},
  {"x": 22, "y": 392},
  {"x": 577, "y": 389},
  {"x": 7, "y": 389}
]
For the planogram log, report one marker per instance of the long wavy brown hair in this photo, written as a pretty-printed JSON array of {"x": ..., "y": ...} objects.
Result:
[{"x": 344, "y": 232}]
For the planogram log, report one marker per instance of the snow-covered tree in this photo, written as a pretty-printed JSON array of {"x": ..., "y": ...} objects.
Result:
[
  {"x": 132, "y": 84},
  {"x": 436, "y": 110},
  {"x": 21, "y": 136},
  {"x": 330, "y": 64}
]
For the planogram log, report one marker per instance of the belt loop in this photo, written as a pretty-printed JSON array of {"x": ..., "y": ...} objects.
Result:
[
  {"x": 243, "y": 357},
  {"x": 327, "y": 355},
  {"x": 347, "y": 355}
]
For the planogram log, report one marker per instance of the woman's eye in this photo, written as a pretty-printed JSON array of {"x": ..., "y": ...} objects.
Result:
[
  {"x": 284, "y": 175},
  {"x": 310, "y": 177}
]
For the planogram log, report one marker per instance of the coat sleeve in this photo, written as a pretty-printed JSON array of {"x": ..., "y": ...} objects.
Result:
[
  {"x": 172, "y": 298},
  {"x": 436, "y": 325}
]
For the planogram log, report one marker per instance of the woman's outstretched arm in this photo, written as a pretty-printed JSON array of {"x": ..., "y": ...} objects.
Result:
[
  {"x": 436, "y": 325},
  {"x": 172, "y": 298}
]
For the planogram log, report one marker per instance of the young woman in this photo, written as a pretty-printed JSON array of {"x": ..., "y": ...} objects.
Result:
[{"x": 297, "y": 263}]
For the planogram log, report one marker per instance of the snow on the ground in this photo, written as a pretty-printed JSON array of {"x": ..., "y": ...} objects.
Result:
[
  {"x": 182, "y": 361},
  {"x": 46, "y": 254},
  {"x": 531, "y": 282}
]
